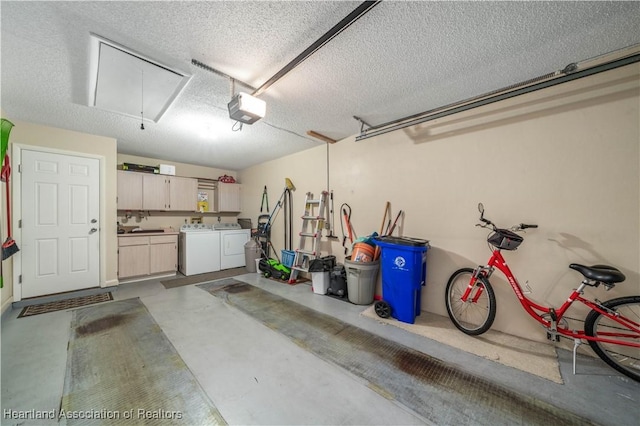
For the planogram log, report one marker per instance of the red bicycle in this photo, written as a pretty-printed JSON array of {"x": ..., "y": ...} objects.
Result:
[{"x": 612, "y": 328}]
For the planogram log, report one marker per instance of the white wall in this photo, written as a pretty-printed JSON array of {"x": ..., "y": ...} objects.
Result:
[{"x": 566, "y": 158}]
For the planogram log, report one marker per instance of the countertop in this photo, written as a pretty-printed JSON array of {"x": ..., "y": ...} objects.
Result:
[{"x": 151, "y": 232}]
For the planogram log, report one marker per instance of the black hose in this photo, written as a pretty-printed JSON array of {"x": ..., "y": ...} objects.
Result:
[
  {"x": 343, "y": 210},
  {"x": 288, "y": 223}
]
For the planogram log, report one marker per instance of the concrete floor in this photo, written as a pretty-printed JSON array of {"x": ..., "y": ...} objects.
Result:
[{"x": 255, "y": 375}]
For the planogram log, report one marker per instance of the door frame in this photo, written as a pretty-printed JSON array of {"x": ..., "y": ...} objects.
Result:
[{"x": 16, "y": 209}]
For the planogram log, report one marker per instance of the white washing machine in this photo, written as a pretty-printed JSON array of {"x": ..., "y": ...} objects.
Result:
[
  {"x": 232, "y": 241},
  {"x": 199, "y": 249}
]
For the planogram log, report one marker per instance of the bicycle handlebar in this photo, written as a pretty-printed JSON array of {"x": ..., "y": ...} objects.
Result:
[
  {"x": 487, "y": 223},
  {"x": 525, "y": 226}
]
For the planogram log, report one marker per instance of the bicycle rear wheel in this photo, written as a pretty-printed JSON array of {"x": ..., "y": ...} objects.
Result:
[
  {"x": 476, "y": 315},
  {"x": 625, "y": 359}
]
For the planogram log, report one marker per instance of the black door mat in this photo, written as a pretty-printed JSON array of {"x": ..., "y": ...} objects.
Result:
[
  {"x": 61, "y": 305},
  {"x": 201, "y": 278}
]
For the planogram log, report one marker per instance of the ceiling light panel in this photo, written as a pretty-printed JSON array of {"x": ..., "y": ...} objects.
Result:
[{"x": 128, "y": 83}]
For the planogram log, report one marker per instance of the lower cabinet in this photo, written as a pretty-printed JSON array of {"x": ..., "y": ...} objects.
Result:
[
  {"x": 163, "y": 254},
  {"x": 147, "y": 255}
]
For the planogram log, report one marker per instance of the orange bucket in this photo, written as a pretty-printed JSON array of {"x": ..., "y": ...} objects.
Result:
[{"x": 362, "y": 252}]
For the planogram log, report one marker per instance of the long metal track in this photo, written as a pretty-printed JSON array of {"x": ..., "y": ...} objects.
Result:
[
  {"x": 550, "y": 80},
  {"x": 326, "y": 38}
]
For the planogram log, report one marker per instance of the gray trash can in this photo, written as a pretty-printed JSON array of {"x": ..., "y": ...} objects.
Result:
[
  {"x": 361, "y": 281},
  {"x": 251, "y": 253}
]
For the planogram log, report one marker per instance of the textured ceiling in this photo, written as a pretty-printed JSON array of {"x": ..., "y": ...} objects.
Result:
[{"x": 399, "y": 59}]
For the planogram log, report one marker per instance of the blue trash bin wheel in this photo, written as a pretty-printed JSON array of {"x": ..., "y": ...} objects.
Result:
[{"x": 382, "y": 308}]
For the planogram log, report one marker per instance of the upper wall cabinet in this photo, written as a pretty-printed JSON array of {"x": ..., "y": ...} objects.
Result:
[
  {"x": 155, "y": 192},
  {"x": 160, "y": 192},
  {"x": 146, "y": 191},
  {"x": 129, "y": 190},
  {"x": 141, "y": 191},
  {"x": 228, "y": 197},
  {"x": 183, "y": 193}
]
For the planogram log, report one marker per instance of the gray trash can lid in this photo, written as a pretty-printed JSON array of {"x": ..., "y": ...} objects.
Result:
[{"x": 251, "y": 244}]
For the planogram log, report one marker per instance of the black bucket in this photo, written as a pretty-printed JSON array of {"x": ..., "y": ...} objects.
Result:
[
  {"x": 329, "y": 262},
  {"x": 324, "y": 264},
  {"x": 338, "y": 281}
]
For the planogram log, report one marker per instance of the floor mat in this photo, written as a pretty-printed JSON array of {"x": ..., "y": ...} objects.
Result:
[
  {"x": 61, "y": 305},
  {"x": 121, "y": 368},
  {"x": 201, "y": 278},
  {"x": 530, "y": 356},
  {"x": 430, "y": 387}
]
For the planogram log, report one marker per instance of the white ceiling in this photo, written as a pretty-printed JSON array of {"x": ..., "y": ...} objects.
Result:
[{"x": 399, "y": 59}]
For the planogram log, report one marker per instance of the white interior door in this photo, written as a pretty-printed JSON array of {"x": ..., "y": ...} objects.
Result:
[{"x": 60, "y": 244}]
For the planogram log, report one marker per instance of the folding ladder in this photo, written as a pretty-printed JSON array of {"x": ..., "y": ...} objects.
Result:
[{"x": 314, "y": 220}]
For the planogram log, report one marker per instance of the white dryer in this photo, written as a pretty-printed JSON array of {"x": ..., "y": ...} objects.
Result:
[
  {"x": 232, "y": 241},
  {"x": 199, "y": 249}
]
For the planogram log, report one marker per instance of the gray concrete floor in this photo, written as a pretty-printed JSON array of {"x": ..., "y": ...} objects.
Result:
[{"x": 255, "y": 375}]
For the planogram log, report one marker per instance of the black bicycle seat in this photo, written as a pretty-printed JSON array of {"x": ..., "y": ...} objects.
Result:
[{"x": 603, "y": 273}]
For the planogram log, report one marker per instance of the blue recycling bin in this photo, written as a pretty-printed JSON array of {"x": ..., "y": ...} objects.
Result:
[{"x": 404, "y": 271}]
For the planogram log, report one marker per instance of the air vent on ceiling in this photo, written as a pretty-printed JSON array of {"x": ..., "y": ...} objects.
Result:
[{"x": 128, "y": 83}]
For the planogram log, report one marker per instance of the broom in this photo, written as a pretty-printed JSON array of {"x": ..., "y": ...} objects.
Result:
[
  {"x": 9, "y": 247},
  {"x": 1, "y": 271}
]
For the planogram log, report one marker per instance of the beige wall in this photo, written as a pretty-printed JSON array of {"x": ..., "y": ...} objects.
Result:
[
  {"x": 182, "y": 169},
  {"x": 67, "y": 142},
  {"x": 566, "y": 158}
]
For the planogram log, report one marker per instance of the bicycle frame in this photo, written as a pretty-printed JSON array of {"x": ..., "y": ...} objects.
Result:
[{"x": 537, "y": 311}]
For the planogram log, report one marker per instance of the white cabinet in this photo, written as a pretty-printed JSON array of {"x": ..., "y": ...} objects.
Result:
[
  {"x": 161, "y": 192},
  {"x": 155, "y": 192},
  {"x": 129, "y": 190},
  {"x": 183, "y": 193},
  {"x": 163, "y": 253},
  {"x": 133, "y": 256},
  {"x": 228, "y": 197},
  {"x": 147, "y": 255}
]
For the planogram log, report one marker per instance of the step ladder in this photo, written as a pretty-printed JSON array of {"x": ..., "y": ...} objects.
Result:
[{"x": 314, "y": 220}]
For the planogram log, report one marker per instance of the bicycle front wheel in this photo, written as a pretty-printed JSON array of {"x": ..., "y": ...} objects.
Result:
[
  {"x": 476, "y": 315},
  {"x": 625, "y": 359}
]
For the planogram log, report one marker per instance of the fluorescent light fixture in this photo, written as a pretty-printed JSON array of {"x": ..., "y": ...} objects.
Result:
[{"x": 246, "y": 108}]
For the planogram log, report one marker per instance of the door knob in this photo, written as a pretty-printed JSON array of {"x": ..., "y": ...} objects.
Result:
[
  {"x": 93, "y": 230},
  {"x": 93, "y": 220}
]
